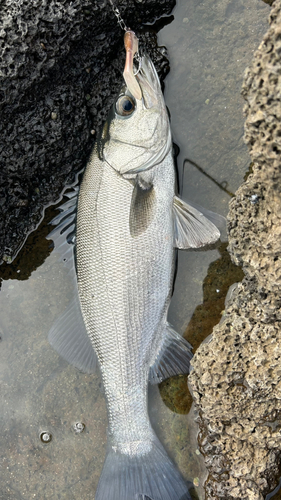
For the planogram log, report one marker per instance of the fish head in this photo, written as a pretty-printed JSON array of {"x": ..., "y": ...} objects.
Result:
[{"x": 137, "y": 134}]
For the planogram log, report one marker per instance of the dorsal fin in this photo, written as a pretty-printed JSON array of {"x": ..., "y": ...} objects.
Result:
[
  {"x": 69, "y": 338},
  {"x": 63, "y": 235},
  {"x": 68, "y": 335}
]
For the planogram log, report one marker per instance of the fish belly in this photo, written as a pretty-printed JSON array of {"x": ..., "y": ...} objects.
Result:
[{"x": 124, "y": 289}]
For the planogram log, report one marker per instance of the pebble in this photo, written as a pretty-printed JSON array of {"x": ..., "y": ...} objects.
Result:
[
  {"x": 78, "y": 427},
  {"x": 46, "y": 437}
]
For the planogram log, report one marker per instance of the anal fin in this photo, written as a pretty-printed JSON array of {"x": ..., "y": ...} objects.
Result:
[{"x": 173, "y": 357}]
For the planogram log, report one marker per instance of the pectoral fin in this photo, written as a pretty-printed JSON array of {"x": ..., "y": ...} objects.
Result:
[
  {"x": 191, "y": 228},
  {"x": 142, "y": 208}
]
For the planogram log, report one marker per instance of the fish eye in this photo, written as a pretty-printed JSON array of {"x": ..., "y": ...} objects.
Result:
[{"x": 125, "y": 105}]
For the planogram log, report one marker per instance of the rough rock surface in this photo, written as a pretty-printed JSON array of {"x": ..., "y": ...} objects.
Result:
[
  {"x": 236, "y": 382},
  {"x": 60, "y": 68}
]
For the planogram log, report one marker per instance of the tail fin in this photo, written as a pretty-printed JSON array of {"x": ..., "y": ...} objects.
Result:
[{"x": 151, "y": 476}]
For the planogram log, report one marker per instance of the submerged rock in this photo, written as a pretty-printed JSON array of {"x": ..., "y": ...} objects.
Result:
[
  {"x": 236, "y": 382},
  {"x": 60, "y": 69}
]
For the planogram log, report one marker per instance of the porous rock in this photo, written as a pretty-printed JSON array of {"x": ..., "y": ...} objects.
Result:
[
  {"x": 60, "y": 69},
  {"x": 236, "y": 382}
]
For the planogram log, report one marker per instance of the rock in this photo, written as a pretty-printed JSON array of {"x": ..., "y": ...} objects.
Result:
[
  {"x": 60, "y": 68},
  {"x": 236, "y": 381}
]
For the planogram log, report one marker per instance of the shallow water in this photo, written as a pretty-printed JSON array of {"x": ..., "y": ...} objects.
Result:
[{"x": 209, "y": 45}]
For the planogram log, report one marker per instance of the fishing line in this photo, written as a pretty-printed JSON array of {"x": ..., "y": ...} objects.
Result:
[
  {"x": 123, "y": 27},
  {"x": 221, "y": 185},
  {"x": 120, "y": 19}
]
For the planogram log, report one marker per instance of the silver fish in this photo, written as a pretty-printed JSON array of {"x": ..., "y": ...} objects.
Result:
[{"x": 129, "y": 222}]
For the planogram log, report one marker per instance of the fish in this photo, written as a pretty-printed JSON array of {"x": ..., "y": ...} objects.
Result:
[{"x": 124, "y": 231}]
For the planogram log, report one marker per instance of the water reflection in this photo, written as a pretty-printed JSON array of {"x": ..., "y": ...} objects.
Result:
[
  {"x": 222, "y": 273},
  {"x": 275, "y": 494},
  {"x": 34, "y": 252}
]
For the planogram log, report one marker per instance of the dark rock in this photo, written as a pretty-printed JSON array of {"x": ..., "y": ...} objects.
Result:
[
  {"x": 60, "y": 69},
  {"x": 270, "y": 2}
]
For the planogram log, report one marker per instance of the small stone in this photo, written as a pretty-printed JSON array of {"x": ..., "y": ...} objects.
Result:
[
  {"x": 46, "y": 437},
  {"x": 22, "y": 203},
  {"x": 78, "y": 427},
  {"x": 7, "y": 258},
  {"x": 207, "y": 101},
  {"x": 196, "y": 481},
  {"x": 54, "y": 115},
  {"x": 185, "y": 20},
  {"x": 254, "y": 199},
  {"x": 88, "y": 97},
  {"x": 93, "y": 132}
]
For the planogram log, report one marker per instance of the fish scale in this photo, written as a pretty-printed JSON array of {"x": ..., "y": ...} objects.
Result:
[{"x": 129, "y": 285}]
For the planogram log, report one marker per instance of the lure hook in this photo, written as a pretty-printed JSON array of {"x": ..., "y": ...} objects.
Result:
[{"x": 131, "y": 46}]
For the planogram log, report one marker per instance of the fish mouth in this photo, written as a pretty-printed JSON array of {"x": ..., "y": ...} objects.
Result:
[
  {"x": 149, "y": 83},
  {"x": 152, "y": 97}
]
